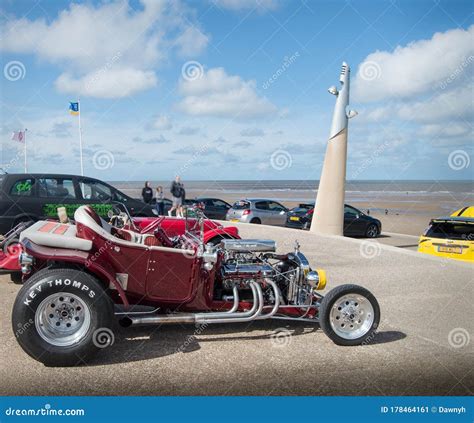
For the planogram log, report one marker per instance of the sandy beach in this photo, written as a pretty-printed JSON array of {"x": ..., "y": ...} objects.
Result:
[{"x": 410, "y": 204}]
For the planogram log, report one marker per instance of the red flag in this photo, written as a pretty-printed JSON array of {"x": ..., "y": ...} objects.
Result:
[{"x": 18, "y": 136}]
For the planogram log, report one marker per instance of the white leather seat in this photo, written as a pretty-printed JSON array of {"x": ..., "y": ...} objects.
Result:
[{"x": 54, "y": 234}]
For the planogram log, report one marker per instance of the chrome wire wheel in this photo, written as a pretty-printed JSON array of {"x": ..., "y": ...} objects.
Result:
[
  {"x": 351, "y": 316},
  {"x": 62, "y": 319}
]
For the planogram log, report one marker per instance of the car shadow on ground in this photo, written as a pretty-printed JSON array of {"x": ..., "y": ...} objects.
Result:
[{"x": 144, "y": 343}]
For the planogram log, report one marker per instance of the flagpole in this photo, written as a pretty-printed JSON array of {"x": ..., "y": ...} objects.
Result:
[
  {"x": 26, "y": 169},
  {"x": 80, "y": 136}
]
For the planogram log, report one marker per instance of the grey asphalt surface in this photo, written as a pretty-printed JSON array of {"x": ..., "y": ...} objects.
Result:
[{"x": 424, "y": 345}]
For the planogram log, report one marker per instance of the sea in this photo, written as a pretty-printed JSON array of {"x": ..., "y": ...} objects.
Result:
[{"x": 449, "y": 194}]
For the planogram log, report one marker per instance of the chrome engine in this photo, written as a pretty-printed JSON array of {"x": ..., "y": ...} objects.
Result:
[{"x": 255, "y": 261}]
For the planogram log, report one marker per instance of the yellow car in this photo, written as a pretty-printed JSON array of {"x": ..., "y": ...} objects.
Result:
[
  {"x": 450, "y": 237},
  {"x": 464, "y": 212}
]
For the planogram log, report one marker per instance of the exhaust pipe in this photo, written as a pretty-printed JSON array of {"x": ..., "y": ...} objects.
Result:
[{"x": 230, "y": 316}]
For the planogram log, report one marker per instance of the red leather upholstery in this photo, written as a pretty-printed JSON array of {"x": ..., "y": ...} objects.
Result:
[{"x": 151, "y": 241}]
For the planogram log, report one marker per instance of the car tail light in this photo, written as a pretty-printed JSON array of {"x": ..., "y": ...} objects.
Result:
[{"x": 245, "y": 212}]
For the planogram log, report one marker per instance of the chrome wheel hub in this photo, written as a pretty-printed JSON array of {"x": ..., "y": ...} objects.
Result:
[
  {"x": 351, "y": 316},
  {"x": 62, "y": 319}
]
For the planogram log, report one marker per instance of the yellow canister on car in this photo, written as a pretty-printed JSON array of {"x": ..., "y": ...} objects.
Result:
[{"x": 322, "y": 279}]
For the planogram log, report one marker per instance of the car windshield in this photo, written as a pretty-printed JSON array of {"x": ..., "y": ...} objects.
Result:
[
  {"x": 300, "y": 209},
  {"x": 241, "y": 205},
  {"x": 451, "y": 230}
]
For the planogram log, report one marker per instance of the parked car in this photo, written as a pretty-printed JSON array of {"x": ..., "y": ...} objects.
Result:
[
  {"x": 75, "y": 274},
  {"x": 449, "y": 237},
  {"x": 25, "y": 197},
  {"x": 356, "y": 223},
  {"x": 257, "y": 210},
  {"x": 213, "y": 208},
  {"x": 467, "y": 211}
]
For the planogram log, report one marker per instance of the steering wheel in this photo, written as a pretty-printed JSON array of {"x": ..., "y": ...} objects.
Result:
[{"x": 119, "y": 218}]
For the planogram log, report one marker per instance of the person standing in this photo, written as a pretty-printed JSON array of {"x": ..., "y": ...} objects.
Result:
[
  {"x": 177, "y": 192},
  {"x": 147, "y": 193},
  {"x": 160, "y": 201}
]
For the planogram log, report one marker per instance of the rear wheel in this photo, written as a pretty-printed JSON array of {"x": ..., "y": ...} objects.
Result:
[
  {"x": 349, "y": 315},
  {"x": 61, "y": 317},
  {"x": 256, "y": 220}
]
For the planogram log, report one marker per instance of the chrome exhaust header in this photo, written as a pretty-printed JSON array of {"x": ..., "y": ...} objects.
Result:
[{"x": 230, "y": 316}]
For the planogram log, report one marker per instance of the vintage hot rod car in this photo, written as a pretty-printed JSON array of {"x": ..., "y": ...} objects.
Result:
[
  {"x": 82, "y": 279},
  {"x": 214, "y": 232}
]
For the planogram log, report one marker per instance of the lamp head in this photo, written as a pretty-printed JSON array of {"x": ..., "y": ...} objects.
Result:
[{"x": 351, "y": 114}]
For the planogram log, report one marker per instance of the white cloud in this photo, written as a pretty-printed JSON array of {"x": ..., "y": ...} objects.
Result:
[
  {"x": 86, "y": 40},
  {"x": 114, "y": 84},
  {"x": 192, "y": 42},
  {"x": 162, "y": 123},
  {"x": 416, "y": 68},
  {"x": 215, "y": 93},
  {"x": 252, "y": 132},
  {"x": 260, "y": 5}
]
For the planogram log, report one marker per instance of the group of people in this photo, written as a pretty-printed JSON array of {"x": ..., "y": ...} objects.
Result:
[{"x": 178, "y": 195}]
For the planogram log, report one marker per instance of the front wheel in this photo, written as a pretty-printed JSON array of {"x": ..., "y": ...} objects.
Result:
[
  {"x": 61, "y": 317},
  {"x": 372, "y": 231},
  {"x": 349, "y": 315}
]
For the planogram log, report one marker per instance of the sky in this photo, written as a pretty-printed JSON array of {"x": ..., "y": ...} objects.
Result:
[{"x": 237, "y": 89}]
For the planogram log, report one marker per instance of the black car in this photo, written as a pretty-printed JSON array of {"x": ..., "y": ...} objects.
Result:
[
  {"x": 214, "y": 208},
  {"x": 356, "y": 223},
  {"x": 25, "y": 197}
]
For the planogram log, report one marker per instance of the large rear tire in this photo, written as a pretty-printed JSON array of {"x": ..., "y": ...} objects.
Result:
[
  {"x": 349, "y": 315},
  {"x": 62, "y": 317}
]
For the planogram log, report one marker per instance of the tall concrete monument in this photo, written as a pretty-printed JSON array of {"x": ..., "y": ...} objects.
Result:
[{"x": 328, "y": 216}]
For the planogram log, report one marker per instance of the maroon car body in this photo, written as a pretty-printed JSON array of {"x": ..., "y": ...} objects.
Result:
[
  {"x": 81, "y": 278},
  {"x": 213, "y": 233}
]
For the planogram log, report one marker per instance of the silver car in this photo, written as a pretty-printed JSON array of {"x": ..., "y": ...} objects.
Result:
[{"x": 258, "y": 210}]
